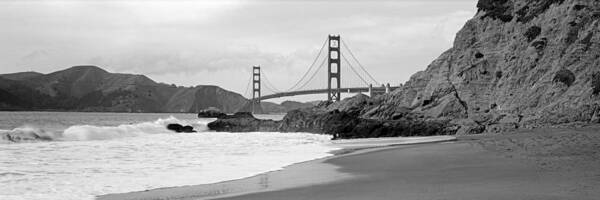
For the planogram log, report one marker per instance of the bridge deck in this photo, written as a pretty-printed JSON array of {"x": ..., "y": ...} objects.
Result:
[{"x": 324, "y": 91}]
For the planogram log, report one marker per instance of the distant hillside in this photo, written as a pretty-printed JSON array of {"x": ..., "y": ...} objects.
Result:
[
  {"x": 90, "y": 88},
  {"x": 21, "y": 75}
]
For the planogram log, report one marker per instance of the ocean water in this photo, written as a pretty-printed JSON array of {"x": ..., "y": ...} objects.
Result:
[{"x": 100, "y": 153}]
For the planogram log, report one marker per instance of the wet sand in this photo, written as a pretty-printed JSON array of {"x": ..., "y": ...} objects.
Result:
[
  {"x": 530, "y": 164},
  {"x": 293, "y": 176}
]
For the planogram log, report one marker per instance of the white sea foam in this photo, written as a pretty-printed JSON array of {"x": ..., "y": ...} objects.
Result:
[
  {"x": 88, "y": 132},
  {"x": 85, "y": 160},
  {"x": 91, "y": 132}
]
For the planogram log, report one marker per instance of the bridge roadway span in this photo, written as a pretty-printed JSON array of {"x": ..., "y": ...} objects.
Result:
[{"x": 378, "y": 90}]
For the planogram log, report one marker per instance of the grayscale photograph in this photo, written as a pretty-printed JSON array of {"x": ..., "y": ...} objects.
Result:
[{"x": 300, "y": 99}]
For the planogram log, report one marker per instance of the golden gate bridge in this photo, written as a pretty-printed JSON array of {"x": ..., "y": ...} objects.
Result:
[{"x": 336, "y": 51}]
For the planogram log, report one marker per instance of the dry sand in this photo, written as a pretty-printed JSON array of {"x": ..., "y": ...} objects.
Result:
[{"x": 532, "y": 164}]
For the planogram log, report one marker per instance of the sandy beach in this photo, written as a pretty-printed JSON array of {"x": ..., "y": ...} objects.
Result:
[{"x": 528, "y": 164}]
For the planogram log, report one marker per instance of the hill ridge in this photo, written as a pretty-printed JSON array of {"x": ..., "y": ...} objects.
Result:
[{"x": 91, "y": 88}]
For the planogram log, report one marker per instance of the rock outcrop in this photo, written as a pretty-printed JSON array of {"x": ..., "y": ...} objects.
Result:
[
  {"x": 517, "y": 63},
  {"x": 342, "y": 125},
  {"x": 243, "y": 122},
  {"x": 346, "y": 125},
  {"x": 181, "y": 128},
  {"x": 211, "y": 112}
]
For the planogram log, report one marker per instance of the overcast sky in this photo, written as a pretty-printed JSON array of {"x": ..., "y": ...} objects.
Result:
[{"x": 217, "y": 41}]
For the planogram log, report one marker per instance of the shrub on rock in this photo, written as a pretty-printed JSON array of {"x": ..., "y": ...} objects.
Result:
[
  {"x": 532, "y": 33},
  {"x": 495, "y": 9},
  {"x": 534, "y": 8},
  {"x": 564, "y": 76},
  {"x": 596, "y": 83},
  {"x": 478, "y": 55}
]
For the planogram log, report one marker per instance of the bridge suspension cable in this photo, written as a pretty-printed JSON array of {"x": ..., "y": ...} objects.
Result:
[
  {"x": 248, "y": 86},
  {"x": 310, "y": 68},
  {"x": 358, "y": 62},
  {"x": 270, "y": 89},
  {"x": 268, "y": 84},
  {"x": 354, "y": 70},
  {"x": 314, "y": 74}
]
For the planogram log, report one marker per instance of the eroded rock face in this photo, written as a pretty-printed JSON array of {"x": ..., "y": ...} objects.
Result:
[
  {"x": 345, "y": 125},
  {"x": 243, "y": 122},
  {"x": 341, "y": 125},
  {"x": 517, "y": 63}
]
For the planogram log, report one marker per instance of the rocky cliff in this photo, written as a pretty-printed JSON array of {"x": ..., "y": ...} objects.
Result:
[
  {"x": 339, "y": 124},
  {"x": 90, "y": 88},
  {"x": 516, "y": 63}
]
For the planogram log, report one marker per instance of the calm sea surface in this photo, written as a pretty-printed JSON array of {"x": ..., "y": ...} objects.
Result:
[{"x": 100, "y": 153}]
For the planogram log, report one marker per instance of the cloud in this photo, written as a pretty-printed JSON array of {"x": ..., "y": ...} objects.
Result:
[{"x": 217, "y": 42}]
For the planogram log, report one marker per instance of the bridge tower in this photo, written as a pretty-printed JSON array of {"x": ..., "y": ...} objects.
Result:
[
  {"x": 255, "y": 87},
  {"x": 333, "y": 72}
]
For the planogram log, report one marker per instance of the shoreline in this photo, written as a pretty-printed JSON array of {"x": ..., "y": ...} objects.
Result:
[
  {"x": 320, "y": 170},
  {"x": 537, "y": 164}
]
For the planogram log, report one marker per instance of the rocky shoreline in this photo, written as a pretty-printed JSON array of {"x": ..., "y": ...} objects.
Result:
[
  {"x": 341, "y": 124},
  {"x": 345, "y": 120}
]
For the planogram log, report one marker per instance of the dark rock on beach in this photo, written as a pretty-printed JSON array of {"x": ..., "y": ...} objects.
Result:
[
  {"x": 188, "y": 129},
  {"x": 243, "y": 122},
  {"x": 180, "y": 128},
  {"x": 211, "y": 112},
  {"x": 24, "y": 135}
]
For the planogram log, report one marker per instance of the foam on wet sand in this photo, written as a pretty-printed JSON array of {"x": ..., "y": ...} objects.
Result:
[
  {"x": 297, "y": 175},
  {"x": 530, "y": 164}
]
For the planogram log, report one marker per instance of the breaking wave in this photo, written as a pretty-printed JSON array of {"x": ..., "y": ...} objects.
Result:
[{"x": 29, "y": 133}]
